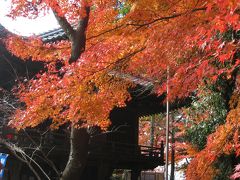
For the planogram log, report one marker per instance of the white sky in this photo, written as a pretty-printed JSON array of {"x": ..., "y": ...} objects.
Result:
[{"x": 24, "y": 26}]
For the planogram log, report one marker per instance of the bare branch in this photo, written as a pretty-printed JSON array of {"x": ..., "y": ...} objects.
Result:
[
  {"x": 45, "y": 156},
  {"x": 20, "y": 155}
]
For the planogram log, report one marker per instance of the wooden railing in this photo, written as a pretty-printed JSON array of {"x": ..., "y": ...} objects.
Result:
[
  {"x": 104, "y": 149},
  {"x": 152, "y": 151},
  {"x": 123, "y": 149}
]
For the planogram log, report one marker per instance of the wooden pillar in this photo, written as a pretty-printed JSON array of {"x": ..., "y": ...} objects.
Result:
[
  {"x": 104, "y": 171},
  {"x": 162, "y": 152},
  {"x": 135, "y": 173},
  {"x": 152, "y": 125}
]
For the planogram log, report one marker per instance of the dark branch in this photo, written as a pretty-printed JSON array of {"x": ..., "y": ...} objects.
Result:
[
  {"x": 65, "y": 25},
  {"x": 168, "y": 17},
  {"x": 148, "y": 23},
  {"x": 79, "y": 37},
  {"x": 82, "y": 24},
  {"x": 107, "y": 31}
]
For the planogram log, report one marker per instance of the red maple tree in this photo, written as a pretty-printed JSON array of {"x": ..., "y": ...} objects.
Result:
[{"x": 186, "y": 36}]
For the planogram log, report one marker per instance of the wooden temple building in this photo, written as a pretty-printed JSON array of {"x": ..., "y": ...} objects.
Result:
[{"x": 117, "y": 149}]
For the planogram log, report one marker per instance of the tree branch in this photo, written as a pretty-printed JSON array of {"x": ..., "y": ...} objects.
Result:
[
  {"x": 168, "y": 17},
  {"x": 78, "y": 41},
  {"x": 45, "y": 158},
  {"x": 15, "y": 150},
  {"x": 78, "y": 36},
  {"x": 148, "y": 23},
  {"x": 65, "y": 25}
]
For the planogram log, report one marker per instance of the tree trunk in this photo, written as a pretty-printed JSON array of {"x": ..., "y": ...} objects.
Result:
[
  {"x": 172, "y": 157},
  {"x": 152, "y": 131},
  {"x": 172, "y": 174},
  {"x": 79, "y": 140},
  {"x": 79, "y": 137}
]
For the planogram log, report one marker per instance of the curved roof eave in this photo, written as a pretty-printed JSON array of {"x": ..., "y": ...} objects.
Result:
[{"x": 11, "y": 67}]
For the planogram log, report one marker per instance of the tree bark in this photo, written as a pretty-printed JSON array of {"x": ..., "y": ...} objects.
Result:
[
  {"x": 79, "y": 140},
  {"x": 76, "y": 36}
]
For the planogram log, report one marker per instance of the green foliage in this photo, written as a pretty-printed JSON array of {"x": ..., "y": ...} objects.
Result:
[
  {"x": 224, "y": 166},
  {"x": 211, "y": 104},
  {"x": 197, "y": 134},
  {"x": 231, "y": 35},
  {"x": 124, "y": 8}
]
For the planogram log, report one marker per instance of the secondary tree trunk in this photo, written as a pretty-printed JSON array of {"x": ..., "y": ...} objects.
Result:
[
  {"x": 172, "y": 156},
  {"x": 79, "y": 140}
]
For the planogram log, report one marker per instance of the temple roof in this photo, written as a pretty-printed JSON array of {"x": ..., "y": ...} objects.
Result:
[
  {"x": 53, "y": 35},
  {"x": 9, "y": 63},
  {"x": 13, "y": 68}
]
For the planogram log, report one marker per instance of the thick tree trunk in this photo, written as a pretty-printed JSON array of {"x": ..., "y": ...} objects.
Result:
[
  {"x": 79, "y": 137},
  {"x": 79, "y": 140}
]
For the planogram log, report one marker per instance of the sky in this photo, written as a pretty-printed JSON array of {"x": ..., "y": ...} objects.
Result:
[{"x": 24, "y": 26}]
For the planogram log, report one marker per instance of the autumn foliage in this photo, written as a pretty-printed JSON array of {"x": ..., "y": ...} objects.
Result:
[
  {"x": 225, "y": 140},
  {"x": 197, "y": 39}
]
